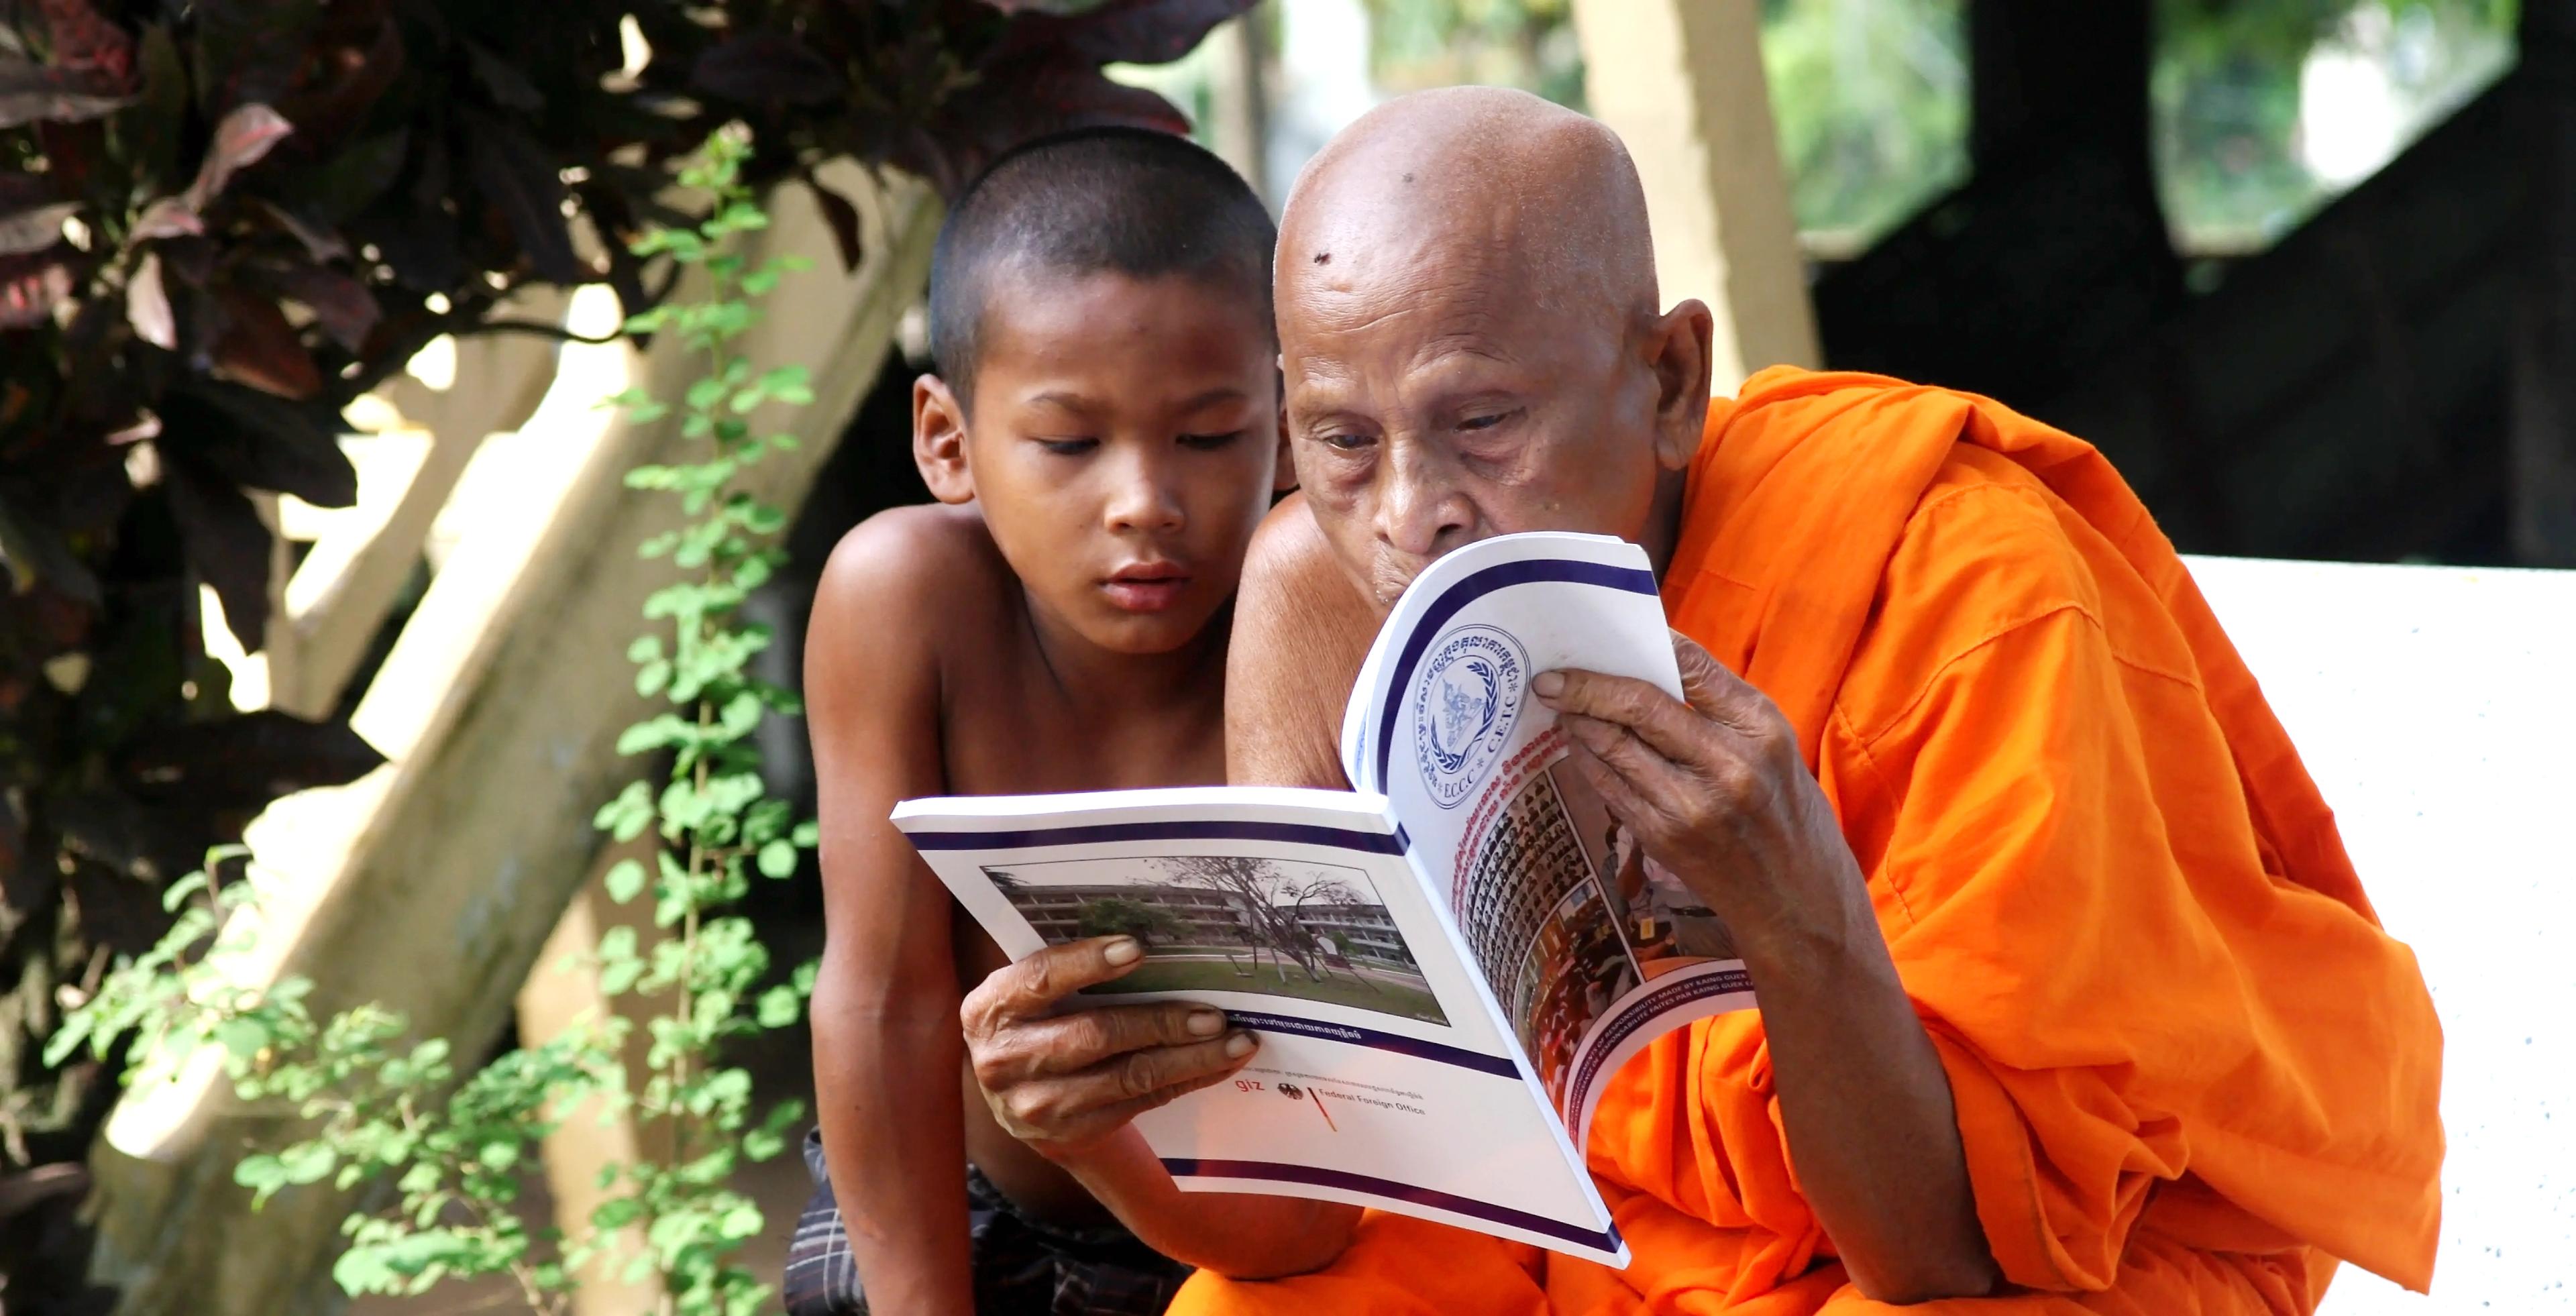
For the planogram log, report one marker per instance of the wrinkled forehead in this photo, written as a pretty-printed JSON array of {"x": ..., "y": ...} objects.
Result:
[{"x": 1402, "y": 282}]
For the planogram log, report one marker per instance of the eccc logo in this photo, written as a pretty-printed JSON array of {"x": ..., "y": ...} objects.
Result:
[{"x": 1464, "y": 707}]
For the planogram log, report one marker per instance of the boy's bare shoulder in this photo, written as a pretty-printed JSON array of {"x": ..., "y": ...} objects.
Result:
[{"x": 912, "y": 574}]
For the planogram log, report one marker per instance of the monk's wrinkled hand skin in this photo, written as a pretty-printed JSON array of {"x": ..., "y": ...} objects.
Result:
[
  {"x": 1715, "y": 791},
  {"x": 1063, "y": 1082}
]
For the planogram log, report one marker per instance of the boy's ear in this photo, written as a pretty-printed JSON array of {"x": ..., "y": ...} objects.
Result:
[{"x": 939, "y": 441}]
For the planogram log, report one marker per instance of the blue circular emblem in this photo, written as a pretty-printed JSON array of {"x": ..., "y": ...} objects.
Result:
[{"x": 1464, "y": 706}]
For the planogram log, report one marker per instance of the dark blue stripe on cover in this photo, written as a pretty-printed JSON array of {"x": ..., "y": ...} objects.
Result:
[
  {"x": 1370, "y": 1037},
  {"x": 1199, "y": 829},
  {"x": 1476, "y": 587},
  {"x": 1183, "y": 1167}
]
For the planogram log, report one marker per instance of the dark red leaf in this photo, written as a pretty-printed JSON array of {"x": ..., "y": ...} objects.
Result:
[
  {"x": 31, "y": 286},
  {"x": 508, "y": 87},
  {"x": 1049, "y": 93},
  {"x": 240, "y": 140},
  {"x": 120, "y": 897},
  {"x": 83, "y": 40},
  {"x": 1129, "y": 31},
  {"x": 340, "y": 304},
  {"x": 246, "y": 761},
  {"x": 360, "y": 66},
  {"x": 320, "y": 243},
  {"x": 516, "y": 175},
  {"x": 19, "y": 1192},
  {"x": 420, "y": 245},
  {"x": 147, "y": 305},
  {"x": 32, "y": 550},
  {"x": 767, "y": 65},
  {"x": 253, "y": 439},
  {"x": 30, "y": 92},
  {"x": 842, "y": 218},
  {"x": 36, "y": 229},
  {"x": 168, "y": 217},
  {"x": 346, "y": 182},
  {"x": 251, "y": 50},
  {"x": 258, "y": 347},
  {"x": 226, "y": 543}
]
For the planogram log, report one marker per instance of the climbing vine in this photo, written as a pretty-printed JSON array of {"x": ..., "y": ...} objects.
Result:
[{"x": 380, "y": 1106}]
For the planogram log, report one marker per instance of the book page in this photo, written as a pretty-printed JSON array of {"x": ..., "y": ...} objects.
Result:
[
  {"x": 1385, "y": 1077},
  {"x": 1590, "y": 949}
]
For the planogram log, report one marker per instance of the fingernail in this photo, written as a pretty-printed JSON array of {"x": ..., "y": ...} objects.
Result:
[
  {"x": 1239, "y": 1045},
  {"x": 1207, "y": 1023},
  {"x": 1548, "y": 684},
  {"x": 1125, "y": 950}
]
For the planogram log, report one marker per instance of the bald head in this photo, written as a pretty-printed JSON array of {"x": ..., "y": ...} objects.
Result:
[
  {"x": 1470, "y": 336},
  {"x": 1464, "y": 173}
]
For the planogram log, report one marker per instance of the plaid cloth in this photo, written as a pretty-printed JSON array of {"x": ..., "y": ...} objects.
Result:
[{"x": 1022, "y": 1267}]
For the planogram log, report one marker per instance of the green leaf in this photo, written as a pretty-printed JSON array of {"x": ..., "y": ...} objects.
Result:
[
  {"x": 625, "y": 881},
  {"x": 704, "y": 394},
  {"x": 778, "y": 859},
  {"x": 805, "y": 975},
  {"x": 262, "y": 1174},
  {"x": 645, "y": 649},
  {"x": 498, "y": 1155},
  {"x": 778, "y": 1007},
  {"x": 180, "y": 890},
  {"x": 242, "y": 1036},
  {"x": 807, "y": 833},
  {"x": 652, "y": 677},
  {"x": 307, "y": 1162}
]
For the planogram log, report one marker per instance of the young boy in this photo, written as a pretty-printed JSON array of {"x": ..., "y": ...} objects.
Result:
[{"x": 1102, "y": 435}]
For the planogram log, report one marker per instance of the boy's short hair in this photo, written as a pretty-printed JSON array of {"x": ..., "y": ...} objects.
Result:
[{"x": 1128, "y": 201}]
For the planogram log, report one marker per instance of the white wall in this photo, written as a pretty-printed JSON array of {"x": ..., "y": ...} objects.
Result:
[{"x": 2436, "y": 708}]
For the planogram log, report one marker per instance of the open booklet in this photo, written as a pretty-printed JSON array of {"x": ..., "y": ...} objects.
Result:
[{"x": 1445, "y": 965}]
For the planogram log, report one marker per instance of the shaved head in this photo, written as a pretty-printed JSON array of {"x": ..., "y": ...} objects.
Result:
[
  {"x": 1471, "y": 337},
  {"x": 1483, "y": 175}
]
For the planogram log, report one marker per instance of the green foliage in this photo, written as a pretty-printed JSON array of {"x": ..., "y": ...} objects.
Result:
[
  {"x": 1111, "y": 915},
  {"x": 382, "y": 1108},
  {"x": 222, "y": 220},
  {"x": 1529, "y": 44},
  {"x": 1871, "y": 102}
]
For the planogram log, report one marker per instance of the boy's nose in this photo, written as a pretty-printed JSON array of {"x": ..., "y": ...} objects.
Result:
[{"x": 1145, "y": 501}]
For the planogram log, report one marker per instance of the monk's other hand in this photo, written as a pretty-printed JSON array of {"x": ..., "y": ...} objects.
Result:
[
  {"x": 1714, "y": 790},
  {"x": 1063, "y": 1082}
]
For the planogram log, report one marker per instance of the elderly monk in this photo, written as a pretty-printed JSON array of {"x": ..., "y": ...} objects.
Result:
[{"x": 2070, "y": 999}]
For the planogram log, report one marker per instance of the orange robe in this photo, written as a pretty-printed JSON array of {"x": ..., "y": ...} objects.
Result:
[{"x": 2191, "y": 1072}]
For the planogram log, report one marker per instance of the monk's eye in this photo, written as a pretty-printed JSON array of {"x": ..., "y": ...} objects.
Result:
[
  {"x": 1345, "y": 442},
  {"x": 1210, "y": 442},
  {"x": 1486, "y": 422},
  {"x": 1068, "y": 447}
]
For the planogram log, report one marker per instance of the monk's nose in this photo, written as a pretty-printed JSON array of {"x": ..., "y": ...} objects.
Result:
[{"x": 1419, "y": 513}]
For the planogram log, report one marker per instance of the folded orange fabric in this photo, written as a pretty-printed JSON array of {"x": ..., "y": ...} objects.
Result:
[{"x": 2192, "y": 1073}]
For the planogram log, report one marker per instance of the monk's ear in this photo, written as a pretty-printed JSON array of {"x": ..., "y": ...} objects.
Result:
[
  {"x": 939, "y": 441},
  {"x": 1283, "y": 472},
  {"x": 1679, "y": 347}
]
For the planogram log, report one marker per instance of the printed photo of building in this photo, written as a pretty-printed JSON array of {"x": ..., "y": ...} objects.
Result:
[{"x": 1316, "y": 932}]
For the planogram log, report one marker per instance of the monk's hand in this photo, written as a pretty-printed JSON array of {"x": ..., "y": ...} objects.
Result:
[
  {"x": 1063, "y": 1082},
  {"x": 1714, "y": 790}
]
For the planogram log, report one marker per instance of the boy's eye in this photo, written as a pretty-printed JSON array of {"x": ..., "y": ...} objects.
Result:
[
  {"x": 1068, "y": 447},
  {"x": 1210, "y": 442}
]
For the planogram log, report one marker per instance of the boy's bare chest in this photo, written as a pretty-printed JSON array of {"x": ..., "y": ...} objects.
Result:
[{"x": 1014, "y": 733}]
